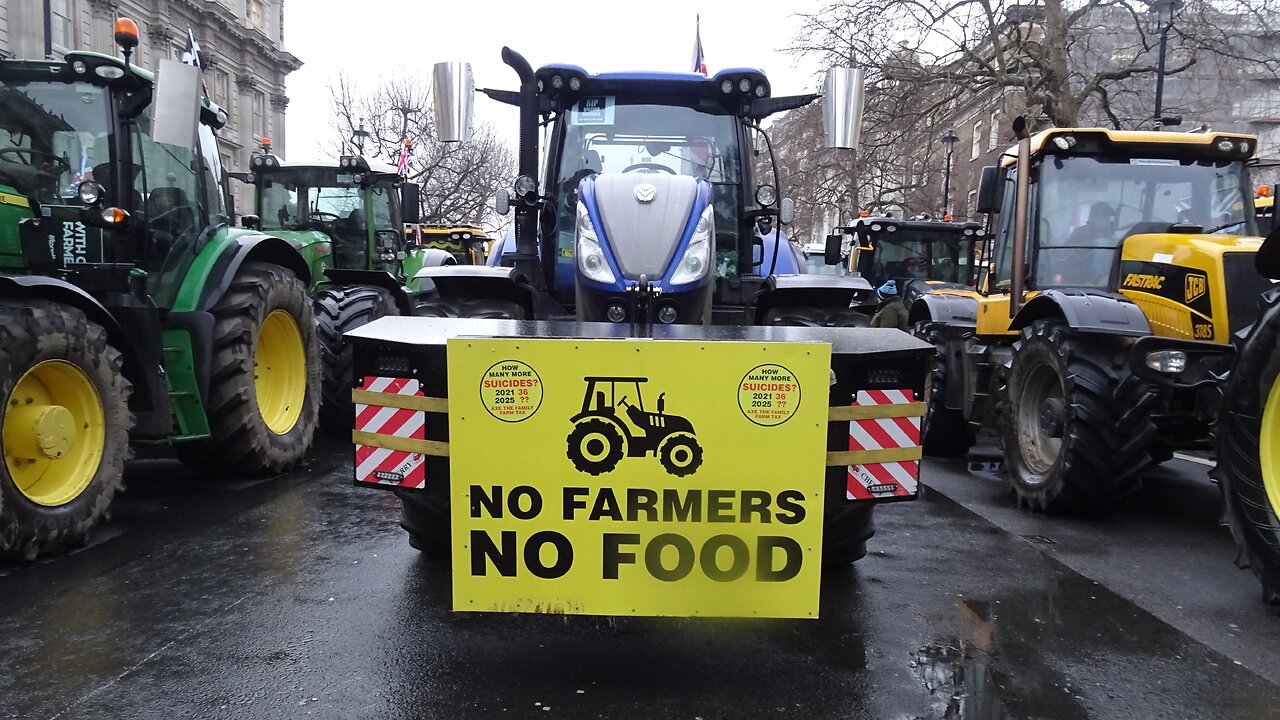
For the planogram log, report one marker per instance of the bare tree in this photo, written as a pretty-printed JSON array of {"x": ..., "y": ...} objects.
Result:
[
  {"x": 1069, "y": 59},
  {"x": 458, "y": 179},
  {"x": 1061, "y": 62}
]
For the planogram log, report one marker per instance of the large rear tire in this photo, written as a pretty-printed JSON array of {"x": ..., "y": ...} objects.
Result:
[
  {"x": 1076, "y": 426},
  {"x": 339, "y": 310},
  {"x": 264, "y": 390},
  {"x": 65, "y": 419},
  {"x": 846, "y": 528},
  {"x": 945, "y": 431},
  {"x": 425, "y": 516},
  {"x": 1248, "y": 435}
]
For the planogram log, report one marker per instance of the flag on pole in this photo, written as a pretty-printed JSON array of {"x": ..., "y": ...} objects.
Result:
[
  {"x": 191, "y": 55},
  {"x": 406, "y": 159},
  {"x": 699, "y": 62}
]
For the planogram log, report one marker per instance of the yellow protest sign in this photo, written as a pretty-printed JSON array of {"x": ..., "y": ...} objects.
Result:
[{"x": 637, "y": 477}]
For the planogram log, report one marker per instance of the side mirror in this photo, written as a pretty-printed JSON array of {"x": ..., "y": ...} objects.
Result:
[
  {"x": 388, "y": 240},
  {"x": 502, "y": 202},
  {"x": 253, "y": 222},
  {"x": 453, "y": 90},
  {"x": 991, "y": 189},
  {"x": 842, "y": 101},
  {"x": 757, "y": 251},
  {"x": 410, "y": 203},
  {"x": 832, "y": 254},
  {"x": 786, "y": 211},
  {"x": 175, "y": 104}
]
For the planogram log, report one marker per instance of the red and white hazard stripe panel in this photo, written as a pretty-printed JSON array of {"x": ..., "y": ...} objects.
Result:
[
  {"x": 380, "y": 466},
  {"x": 900, "y": 478}
]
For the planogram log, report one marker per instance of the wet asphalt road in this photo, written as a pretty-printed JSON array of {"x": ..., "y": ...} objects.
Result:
[{"x": 299, "y": 597}]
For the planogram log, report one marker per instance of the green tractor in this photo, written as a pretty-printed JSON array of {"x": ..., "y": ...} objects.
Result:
[
  {"x": 131, "y": 313},
  {"x": 1248, "y": 469},
  {"x": 352, "y": 212}
]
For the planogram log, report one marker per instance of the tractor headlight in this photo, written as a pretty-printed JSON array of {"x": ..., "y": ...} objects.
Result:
[
  {"x": 1167, "y": 361},
  {"x": 693, "y": 265},
  {"x": 591, "y": 259},
  {"x": 89, "y": 191}
]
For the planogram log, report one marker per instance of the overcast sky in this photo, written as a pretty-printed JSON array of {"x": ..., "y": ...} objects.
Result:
[{"x": 369, "y": 39}]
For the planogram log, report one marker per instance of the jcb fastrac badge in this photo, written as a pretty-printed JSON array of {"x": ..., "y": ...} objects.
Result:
[
  {"x": 1197, "y": 285},
  {"x": 642, "y": 478}
]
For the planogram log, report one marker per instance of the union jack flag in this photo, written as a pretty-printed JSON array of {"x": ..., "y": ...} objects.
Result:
[
  {"x": 405, "y": 165},
  {"x": 699, "y": 61}
]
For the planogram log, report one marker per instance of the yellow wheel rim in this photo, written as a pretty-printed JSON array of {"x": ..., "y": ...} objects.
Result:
[
  {"x": 1267, "y": 441},
  {"x": 280, "y": 372},
  {"x": 54, "y": 433}
]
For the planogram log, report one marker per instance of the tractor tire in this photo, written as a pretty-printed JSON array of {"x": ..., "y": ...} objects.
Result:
[
  {"x": 264, "y": 390},
  {"x": 1248, "y": 470},
  {"x": 846, "y": 528},
  {"x": 339, "y": 310},
  {"x": 65, "y": 420},
  {"x": 425, "y": 516},
  {"x": 604, "y": 455},
  {"x": 945, "y": 431},
  {"x": 675, "y": 462},
  {"x": 809, "y": 316},
  {"x": 1076, "y": 427}
]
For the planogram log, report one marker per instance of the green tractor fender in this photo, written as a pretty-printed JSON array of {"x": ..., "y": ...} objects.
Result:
[
  {"x": 25, "y": 287},
  {"x": 217, "y": 262},
  {"x": 376, "y": 278},
  {"x": 1085, "y": 311},
  {"x": 206, "y": 281}
]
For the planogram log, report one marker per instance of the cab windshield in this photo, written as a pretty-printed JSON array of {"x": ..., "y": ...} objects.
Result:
[
  {"x": 330, "y": 202},
  {"x": 53, "y": 136},
  {"x": 617, "y": 134},
  {"x": 1089, "y": 205},
  {"x": 911, "y": 254},
  {"x": 815, "y": 263}
]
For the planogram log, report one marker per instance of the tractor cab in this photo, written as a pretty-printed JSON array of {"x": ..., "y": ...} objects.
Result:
[
  {"x": 921, "y": 254},
  {"x": 467, "y": 244},
  {"x": 649, "y": 208},
  {"x": 1157, "y": 217},
  {"x": 67, "y": 203},
  {"x": 353, "y": 203}
]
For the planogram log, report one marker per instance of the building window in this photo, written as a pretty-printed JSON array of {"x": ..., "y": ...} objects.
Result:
[
  {"x": 222, "y": 90},
  {"x": 973, "y": 200},
  {"x": 61, "y": 26},
  {"x": 258, "y": 125},
  {"x": 257, "y": 12},
  {"x": 976, "y": 147},
  {"x": 995, "y": 130}
]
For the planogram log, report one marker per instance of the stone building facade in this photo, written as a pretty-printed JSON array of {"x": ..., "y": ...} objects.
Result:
[{"x": 241, "y": 43}]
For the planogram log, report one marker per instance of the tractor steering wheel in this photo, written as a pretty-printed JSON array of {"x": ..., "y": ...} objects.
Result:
[
  {"x": 33, "y": 154},
  {"x": 649, "y": 169},
  {"x": 321, "y": 216}
]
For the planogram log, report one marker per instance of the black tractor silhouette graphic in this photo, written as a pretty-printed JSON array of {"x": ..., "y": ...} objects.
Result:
[{"x": 613, "y": 423}]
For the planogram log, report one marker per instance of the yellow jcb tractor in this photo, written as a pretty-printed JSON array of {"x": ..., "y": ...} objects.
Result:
[{"x": 1122, "y": 264}]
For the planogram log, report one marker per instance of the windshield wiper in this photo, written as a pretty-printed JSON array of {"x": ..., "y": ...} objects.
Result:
[{"x": 1224, "y": 227}]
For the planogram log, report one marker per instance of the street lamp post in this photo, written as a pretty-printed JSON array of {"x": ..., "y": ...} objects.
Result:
[
  {"x": 950, "y": 140},
  {"x": 1164, "y": 10},
  {"x": 358, "y": 137}
]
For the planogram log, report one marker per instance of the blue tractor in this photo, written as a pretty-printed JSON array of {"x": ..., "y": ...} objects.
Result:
[{"x": 649, "y": 209}]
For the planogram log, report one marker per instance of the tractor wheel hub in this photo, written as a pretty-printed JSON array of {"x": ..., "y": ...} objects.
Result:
[{"x": 45, "y": 431}]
